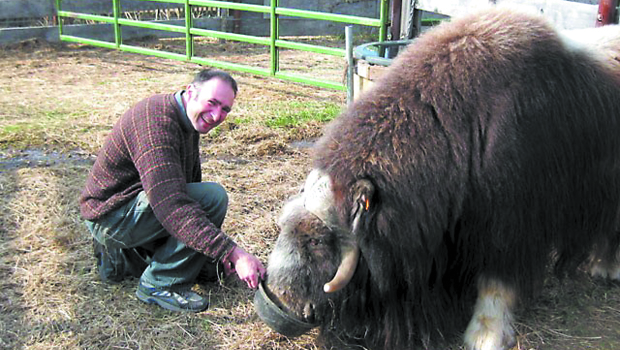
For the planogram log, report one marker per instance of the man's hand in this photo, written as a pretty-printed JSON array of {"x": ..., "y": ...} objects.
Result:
[{"x": 248, "y": 267}]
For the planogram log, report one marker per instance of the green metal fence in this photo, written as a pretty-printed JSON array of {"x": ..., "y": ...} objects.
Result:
[{"x": 273, "y": 41}]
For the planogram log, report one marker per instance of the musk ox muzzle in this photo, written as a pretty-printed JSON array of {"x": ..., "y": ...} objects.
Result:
[{"x": 278, "y": 319}]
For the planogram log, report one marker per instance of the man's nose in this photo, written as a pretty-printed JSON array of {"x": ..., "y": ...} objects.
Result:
[{"x": 218, "y": 114}]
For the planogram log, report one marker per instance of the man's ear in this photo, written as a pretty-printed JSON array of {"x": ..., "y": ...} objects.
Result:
[{"x": 190, "y": 90}]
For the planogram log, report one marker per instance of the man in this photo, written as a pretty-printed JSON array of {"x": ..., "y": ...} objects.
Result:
[{"x": 145, "y": 206}]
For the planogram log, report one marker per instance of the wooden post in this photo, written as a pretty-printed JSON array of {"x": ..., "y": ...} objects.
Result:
[
  {"x": 606, "y": 12},
  {"x": 397, "y": 9},
  {"x": 236, "y": 28}
]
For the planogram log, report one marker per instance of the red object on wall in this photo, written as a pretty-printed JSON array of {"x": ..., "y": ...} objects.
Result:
[{"x": 606, "y": 12}]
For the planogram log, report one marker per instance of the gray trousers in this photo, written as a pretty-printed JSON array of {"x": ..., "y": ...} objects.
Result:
[{"x": 135, "y": 225}]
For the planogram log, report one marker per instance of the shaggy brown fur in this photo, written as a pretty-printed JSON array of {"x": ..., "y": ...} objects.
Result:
[{"x": 490, "y": 145}]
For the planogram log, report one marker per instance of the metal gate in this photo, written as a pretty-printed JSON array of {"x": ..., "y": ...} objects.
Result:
[{"x": 273, "y": 41}]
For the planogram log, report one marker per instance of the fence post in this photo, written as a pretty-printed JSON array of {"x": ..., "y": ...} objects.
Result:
[
  {"x": 348, "y": 36},
  {"x": 116, "y": 8},
  {"x": 59, "y": 18},
  {"x": 383, "y": 17},
  {"x": 274, "y": 36},
  {"x": 189, "y": 39}
]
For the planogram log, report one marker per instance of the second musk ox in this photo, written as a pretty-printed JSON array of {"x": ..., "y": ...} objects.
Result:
[{"x": 489, "y": 151}]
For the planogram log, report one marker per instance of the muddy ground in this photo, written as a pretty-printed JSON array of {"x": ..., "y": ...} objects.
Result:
[{"x": 57, "y": 104}]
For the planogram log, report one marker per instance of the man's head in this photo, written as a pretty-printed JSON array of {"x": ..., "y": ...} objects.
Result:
[{"x": 209, "y": 98}]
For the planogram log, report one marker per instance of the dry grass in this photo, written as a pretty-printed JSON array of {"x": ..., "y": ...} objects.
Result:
[{"x": 63, "y": 100}]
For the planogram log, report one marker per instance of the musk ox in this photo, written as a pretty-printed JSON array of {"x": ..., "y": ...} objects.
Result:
[{"x": 488, "y": 152}]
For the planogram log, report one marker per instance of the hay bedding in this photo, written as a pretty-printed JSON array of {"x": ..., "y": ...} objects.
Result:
[{"x": 50, "y": 294}]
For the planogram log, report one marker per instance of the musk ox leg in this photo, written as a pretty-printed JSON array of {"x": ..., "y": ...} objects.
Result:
[
  {"x": 606, "y": 265},
  {"x": 491, "y": 325},
  {"x": 599, "y": 269}
]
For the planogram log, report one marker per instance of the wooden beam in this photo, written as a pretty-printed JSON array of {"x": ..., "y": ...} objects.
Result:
[{"x": 564, "y": 14}]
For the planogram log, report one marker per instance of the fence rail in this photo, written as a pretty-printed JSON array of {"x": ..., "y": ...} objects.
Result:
[
  {"x": 273, "y": 11},
  {"x": 10, "y": 9}
]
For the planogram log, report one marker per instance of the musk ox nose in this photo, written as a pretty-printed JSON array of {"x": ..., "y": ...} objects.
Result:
[{"x": 281, "y": 321}]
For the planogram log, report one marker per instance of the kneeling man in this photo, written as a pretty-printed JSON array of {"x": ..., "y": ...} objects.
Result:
[{"x": 146, "y": 207}]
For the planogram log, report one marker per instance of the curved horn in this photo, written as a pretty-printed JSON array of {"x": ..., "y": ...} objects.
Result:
[
  {"x": 351, "y": 255},
  {"x": 345, "y": 270},
  {"x": 319, "y": 200}
]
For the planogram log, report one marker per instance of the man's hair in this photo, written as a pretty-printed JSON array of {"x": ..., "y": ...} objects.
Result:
[{"x": 208, "y": 74}]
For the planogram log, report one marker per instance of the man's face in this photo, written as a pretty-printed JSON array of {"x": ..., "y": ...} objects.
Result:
[{"x": 208, "y": 104}]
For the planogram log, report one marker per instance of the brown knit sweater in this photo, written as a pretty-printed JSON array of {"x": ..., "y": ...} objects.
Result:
[{"x": 154, "y": 148}]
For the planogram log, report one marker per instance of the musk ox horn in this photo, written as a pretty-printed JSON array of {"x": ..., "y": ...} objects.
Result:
[
  {"x": 319, "y": 197},
  {"x": 319, "y": 200},
  {"x": 364, "y": 190},
  {"x": 345, "y": 271}
]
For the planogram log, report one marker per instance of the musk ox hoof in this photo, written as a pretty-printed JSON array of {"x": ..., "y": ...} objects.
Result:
[
  {"x": 491, "y": 326},
  {"x": 600, "y": 270},
  {"x": 489, "y": 334}
]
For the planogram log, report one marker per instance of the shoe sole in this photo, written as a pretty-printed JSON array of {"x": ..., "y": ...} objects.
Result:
[{"x": 168, "y": 306}]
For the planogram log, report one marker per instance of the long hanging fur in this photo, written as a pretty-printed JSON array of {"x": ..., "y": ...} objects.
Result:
[{"x": 491, "y": 145}]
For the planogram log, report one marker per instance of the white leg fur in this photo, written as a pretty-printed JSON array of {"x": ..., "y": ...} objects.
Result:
[
  {"x": 604, "y": 268},
  {"x": 491, "y": 326},
  {"x": 598, "y": 269}
]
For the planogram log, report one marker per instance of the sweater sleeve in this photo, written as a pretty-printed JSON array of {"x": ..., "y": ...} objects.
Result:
[{"x": 155, "y": 143}]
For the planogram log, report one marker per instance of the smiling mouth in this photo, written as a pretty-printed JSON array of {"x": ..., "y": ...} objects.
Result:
[{"x": 205, "y": 120}]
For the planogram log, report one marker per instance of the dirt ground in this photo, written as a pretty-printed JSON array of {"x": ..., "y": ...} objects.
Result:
[{"x": 57, "y": 104}]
